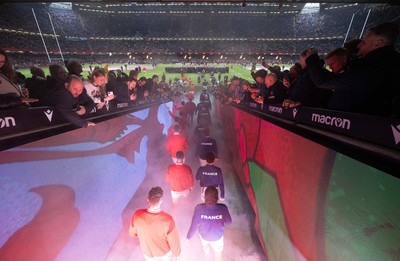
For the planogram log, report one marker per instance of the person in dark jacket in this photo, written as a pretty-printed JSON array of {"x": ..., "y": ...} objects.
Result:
[
  {"x": 303, "y": 91},
  {"x": 11, "y": 94},
  {"x": 72, "y": 101},
  {"x": 275, "y": 92},
  {"x": 244, "y": 97},
  {"x": 36, "y": 85},
  {"x": 124, "y": 89},
  {"x": 371, "y": 84}
]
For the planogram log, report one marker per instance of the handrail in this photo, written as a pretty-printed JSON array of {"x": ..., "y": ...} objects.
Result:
[{"x": 21, "y": 126}]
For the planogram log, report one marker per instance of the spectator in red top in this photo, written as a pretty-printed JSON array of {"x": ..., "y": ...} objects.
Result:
[
  {"x": 176, "y": 142},
  {"x": 181, "y": 178}
]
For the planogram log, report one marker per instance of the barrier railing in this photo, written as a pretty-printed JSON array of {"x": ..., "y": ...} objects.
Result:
[{"x": 22, "y": 126}]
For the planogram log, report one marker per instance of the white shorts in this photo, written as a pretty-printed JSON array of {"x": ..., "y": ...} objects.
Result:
[
  {"x": 167, "y": 257},
  {"x": 216, "y": 245},
  {"x": 177, "y": 194}
]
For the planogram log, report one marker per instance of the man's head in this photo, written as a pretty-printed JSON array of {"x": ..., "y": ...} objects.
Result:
[
  {"x": 210, "y": 158},
  {"x": 98, "y": 77},
  {"x": 303, "y": 56},
  {"x": 37, "y": 72},
  {"x": 133, "y": 73},
  {"x": 337, "y": 59},
  {"x": 155, "y": 196},
  {"x": 131, "y": 83},
  {"x": 177, "y": 128},
  {"x": 74, "y": 84},
  {"x": 378, "y": 36},
  {"x": 211, "y": 195},
  {"x": 155, "y": 78},
  {"x": 142, "y": 81},
  {"x": 58, "y": 72},
  {"x": 260, "y": 75},
  {"x": 270, "y": 80},
  {"x": 295, "y": 70},
  {"x": 74, "y": 67},
  {"x": 245, "y": 85},
  {"x": 180, "y": 156},
  {"x": 235, "y": 81}
]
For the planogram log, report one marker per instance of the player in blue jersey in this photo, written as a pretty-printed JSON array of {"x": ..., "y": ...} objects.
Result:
[
  {"x": 210, "y": 175},
  {"x": 210, "y": 218}
]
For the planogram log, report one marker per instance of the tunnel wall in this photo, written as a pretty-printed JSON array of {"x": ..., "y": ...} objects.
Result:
[
  {"x": 311, "y": 202},
  {"x": 65, "y": 197}
]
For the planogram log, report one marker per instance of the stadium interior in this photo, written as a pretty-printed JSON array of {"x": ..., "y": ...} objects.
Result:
[
  {"x": 181, "y": 31},
  {"x": 303, "y": 183}
]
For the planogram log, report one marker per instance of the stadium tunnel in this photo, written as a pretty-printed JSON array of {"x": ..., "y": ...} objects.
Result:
[{"x": 297, "y": 190}]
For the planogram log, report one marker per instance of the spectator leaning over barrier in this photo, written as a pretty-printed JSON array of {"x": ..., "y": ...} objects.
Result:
[
  {"x": 96, "y": 89},
  {"x": 274, "y": 69},
  {"x": 151, "y": 85},
  {"x": 245, "y": 95},
  {"x": 259, "y": 77},
  {"x": 289, "y": 80},
  {"x": 303, "y": 91},
  {"x": 275, "y": 91},
  {"x": 337, "y": 60},
  {"x": 72, "y": 101},
  {"x": 371, "y": 84},
  {"x": 124, "y": 89}
]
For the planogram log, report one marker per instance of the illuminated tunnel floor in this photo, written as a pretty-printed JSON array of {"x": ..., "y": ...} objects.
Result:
[{"x": 241, "y": 242}]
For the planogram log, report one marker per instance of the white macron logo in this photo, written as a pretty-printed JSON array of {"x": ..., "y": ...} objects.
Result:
[
  {"x": 396, "y": 133},
  {"x": 332, "y": 121},
  {"x": 7, "y": 122},
  {"x": 49, "y": 114}
]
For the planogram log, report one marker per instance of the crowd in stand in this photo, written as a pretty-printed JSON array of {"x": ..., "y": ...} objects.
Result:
[
  {"x": 363, "y": 78},
  {"x": 364, "y": 82},
  {"x": 307, "y": 83},
  {"x": 78, "y": 24}
]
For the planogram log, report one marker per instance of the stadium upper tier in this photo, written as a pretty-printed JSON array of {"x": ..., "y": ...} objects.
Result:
[{"x": 176, "y": 28}]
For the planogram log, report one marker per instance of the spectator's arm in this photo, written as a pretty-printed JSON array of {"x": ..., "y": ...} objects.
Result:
[
  {"x": 9, "y": 100},
  {"x": 65, "y": 109},
  {"x": 86, "y": 101}
]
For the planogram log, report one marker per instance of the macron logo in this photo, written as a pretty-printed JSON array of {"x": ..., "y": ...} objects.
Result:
[
  {"x": 331, "y": 120},
  {"x": 7, "y": 122},
  {"x": 49, "y": 114},
  {"x": 396, "y": 133}
]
